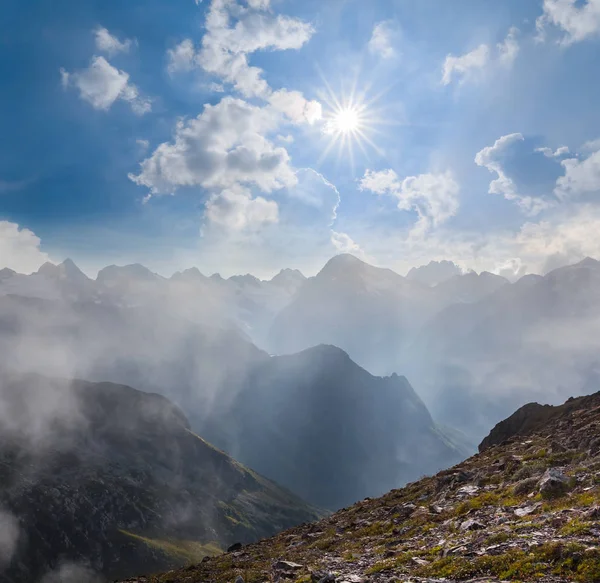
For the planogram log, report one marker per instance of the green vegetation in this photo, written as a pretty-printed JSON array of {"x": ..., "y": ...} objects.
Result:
[
  {"x": 188, "y": 551},
  {"x": 571, "y": 561}
]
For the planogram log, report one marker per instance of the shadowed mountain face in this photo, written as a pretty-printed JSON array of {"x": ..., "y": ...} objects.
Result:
[
  {"x": 326, "y": 428},
  {"x": 109, "y": 477}
]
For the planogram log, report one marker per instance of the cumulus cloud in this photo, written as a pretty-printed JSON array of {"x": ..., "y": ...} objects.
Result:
[
  {"x": 381, "y": 40},
  {"x": 508, "y": 49},
  {"x": 20, "y": 248},
  {"x": 295, "y": 107},
  {"x": 181, "y": 57},
  {"x": 345, "y": 244},
  {"x": 302, "y": 236},
  {"x": 466, "y": 66},
  {"x": 581, "y": 177},
  {"x": 562, "y": 239},
  {"x": 433, "y": 196},
  {"x": 578, "y": 20},
  {"x": 235, "y": 209},
  {"x": 550, "y": 153},
  {"x": 493, "y": 158},
  {"x": 223, "y": 146},
  {"x": 235, "y": 31},
  {"x": 225, "y": 47},
  {"x": 101, "y": 85},
  {"x": 110, "y": 44}
]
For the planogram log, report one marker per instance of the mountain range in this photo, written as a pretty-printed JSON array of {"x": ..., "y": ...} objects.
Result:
[
  {"x": 315, "y": 416},
  {"x": 474, "y": 346}
]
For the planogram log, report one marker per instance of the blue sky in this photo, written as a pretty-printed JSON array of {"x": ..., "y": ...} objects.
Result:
[{"x": 251, "y": 135}]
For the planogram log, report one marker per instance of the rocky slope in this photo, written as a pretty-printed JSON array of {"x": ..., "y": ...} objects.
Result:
[
  {"x": 113, "y": 478},
  {"x": 527, "y": 508}
]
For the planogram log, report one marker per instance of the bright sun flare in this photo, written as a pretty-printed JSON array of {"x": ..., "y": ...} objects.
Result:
[
  {"x": 350, "y": 122},
  {"x": 346, "y": 120}
]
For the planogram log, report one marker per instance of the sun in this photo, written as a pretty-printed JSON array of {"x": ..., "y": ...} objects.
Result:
[
  {"x": 350, "y": 123},
  {"x": 346, "y": 120}
]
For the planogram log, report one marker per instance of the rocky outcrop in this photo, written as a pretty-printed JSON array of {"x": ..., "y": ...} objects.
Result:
[{"x": 535, "y": 417}]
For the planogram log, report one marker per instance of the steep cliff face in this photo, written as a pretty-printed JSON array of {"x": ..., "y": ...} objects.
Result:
[
  {"x": 527, "y": 509},
  {"x": 113, "y": 478}
]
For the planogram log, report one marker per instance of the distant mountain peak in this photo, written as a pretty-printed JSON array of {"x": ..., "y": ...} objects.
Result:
[
  {"x": 288, "y": 277},
  {"x": 6, "y": 273},
  {"x": 134, "y": 270},
  {"x": 65, "y": 270},
  {"x": 191, "y": 274},
  {"x": 589, "y": 262},
  {"x": 344, "y": 263},
  {"x": 247, "y": 279},
  {"x": 435, "y": 272}
]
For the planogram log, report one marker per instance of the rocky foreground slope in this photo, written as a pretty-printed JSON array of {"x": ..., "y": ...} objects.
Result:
[{"x": 526, "y": 508}]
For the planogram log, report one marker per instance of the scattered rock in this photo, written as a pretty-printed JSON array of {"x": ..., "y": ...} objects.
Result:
[
  {"x": 234, "y": 548},
  {"x": 527, "y": 510},
  {"x": 525, "y": 486},
  {"x": 472, "y": 524},
  {"x": 553, "y": 483},
  {"x": 287, "y": 566}
]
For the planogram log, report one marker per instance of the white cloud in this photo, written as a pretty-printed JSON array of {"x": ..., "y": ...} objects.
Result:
[
  {"x": 235, "y": 209},
  {"x": 565, "y": 236},
  {"x": 433, "y": 196},
  {"x": 233, "y": 32},
  {"x": 289, "y": 139},
  {"x": 591, "y": 145},
  {"x": 300, "y": 235},
  {"x": 101, "y": 85},
  {"x": 381, "y": 40},
  {"x": 465, "y": 65},
  {"x": 225, "y": 47},
  {"x": 581, "y": 177},
  {"x": 578, "y": 20},
  {"x": 293, "y": 105},
  {"x": 19, "y": 248},
  {"x": 561, "y": 240},
  {"x": 216, "y": 88},
  {"x": 508, "y": 50},
  {"x": 491, "y": 157},
  {"x": 481, "y": 58},
  {"x": 109, "y": 44},
  {"x": 181, "y": 57},
  {"x": 550, "y": 153},
  {"x": 345, "y": 244},
  {"x": 225, "y": 145}
]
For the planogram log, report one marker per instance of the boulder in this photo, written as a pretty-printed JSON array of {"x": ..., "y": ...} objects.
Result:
[{"x": 553, "y": 483}]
